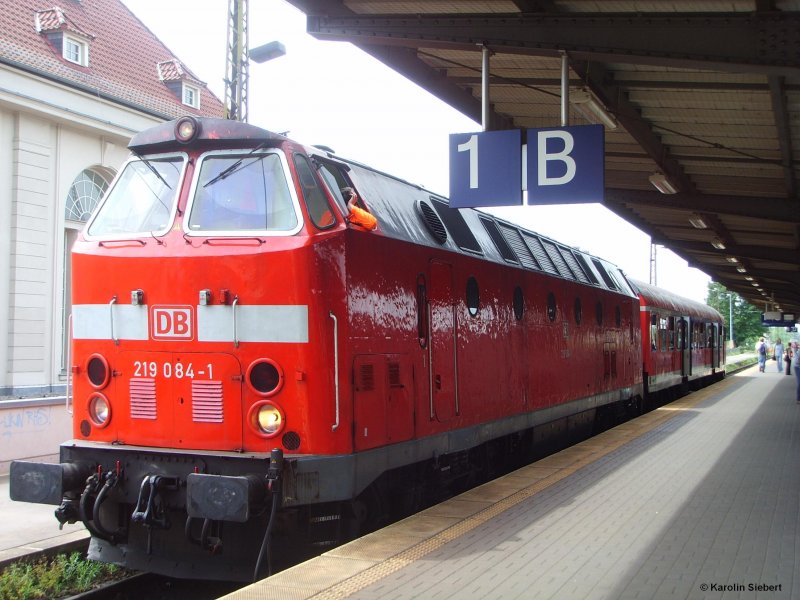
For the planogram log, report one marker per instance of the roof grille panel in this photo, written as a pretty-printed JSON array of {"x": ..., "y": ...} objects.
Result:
[
  {"x": 573, "y": 264},
  {"x": 517, "y": 244},
  {"x": 586, "y": 268},
  {"x": 558, "y": 260},
  {"x": 535, "y": 244},
  {"x": 506, "y": 251},
  {"x": 604, "y": 274},
  {"x": 460, "y": 232}
]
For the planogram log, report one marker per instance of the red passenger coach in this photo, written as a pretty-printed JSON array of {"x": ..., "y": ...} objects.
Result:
[
  {"x": 683, "y": 341},
  {"x": 257, "y": 365}
]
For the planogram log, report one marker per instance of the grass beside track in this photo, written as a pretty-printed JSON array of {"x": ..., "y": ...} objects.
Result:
[{"x": 57, "y": 577}]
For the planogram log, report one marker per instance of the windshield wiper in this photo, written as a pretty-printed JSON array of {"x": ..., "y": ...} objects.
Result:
[
  {"x": 152, "y": 169},
  {"x": 236, "y": 166}
]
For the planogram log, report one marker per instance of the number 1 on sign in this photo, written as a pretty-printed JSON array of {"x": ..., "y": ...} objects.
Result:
[{"x": 471, "y": 146}]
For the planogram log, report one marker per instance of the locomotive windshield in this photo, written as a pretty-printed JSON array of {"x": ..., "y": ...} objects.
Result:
[
  {"x": 142, "y": 199},
  {"x": 242, "y": 193}
]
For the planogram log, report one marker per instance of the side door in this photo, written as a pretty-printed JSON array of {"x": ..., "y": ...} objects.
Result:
[
  {"x": 685, "y": 348},
  {"x": 443, "y": 384}
]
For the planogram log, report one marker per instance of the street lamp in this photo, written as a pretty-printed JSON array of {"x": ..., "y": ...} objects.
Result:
[
  {"x": 267, "y": 52},
  {"x": 730, "y": 319}
]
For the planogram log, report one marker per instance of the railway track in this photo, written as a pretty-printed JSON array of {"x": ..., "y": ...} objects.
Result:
[{"x": 158, "y": 587}]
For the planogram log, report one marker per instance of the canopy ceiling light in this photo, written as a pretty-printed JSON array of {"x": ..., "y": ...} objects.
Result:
[
  {"x": 741, "y": 269},
  {"x": 718, "y": 244},
  {"x": 696, "y": 220},
  {"x": 586, "y": 103},
  {"x": 662, "y": 183},
  {"x": 732, "y": 259}
]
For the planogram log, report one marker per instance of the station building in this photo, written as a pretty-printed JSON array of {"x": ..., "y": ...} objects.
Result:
[{"x": 77, "y": 81}]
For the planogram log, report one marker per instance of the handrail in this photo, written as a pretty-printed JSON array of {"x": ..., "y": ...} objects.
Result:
[
  {"x": 235, "y": 339},
  {"x": 335, "y": 426},
  {"x": 111, "y": 312},
  {"x": 69, "y": 365}
]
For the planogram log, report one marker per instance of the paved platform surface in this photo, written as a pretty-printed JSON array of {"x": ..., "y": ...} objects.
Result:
[{"x": 698, "y": 499}]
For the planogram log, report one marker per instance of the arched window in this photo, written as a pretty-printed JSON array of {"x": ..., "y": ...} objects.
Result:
[
  {"x": 85, "y": 194},
  {"x": 83, "y": 197}
]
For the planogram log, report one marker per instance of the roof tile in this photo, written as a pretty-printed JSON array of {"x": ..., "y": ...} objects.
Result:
[{"x": 124, "y": 55}]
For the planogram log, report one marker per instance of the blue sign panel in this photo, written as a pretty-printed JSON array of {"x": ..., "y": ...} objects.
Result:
[
  {"x": 566, "y": 165},
  {"x": 486, "y": 169},
  {"x": 777, "y": 319}
]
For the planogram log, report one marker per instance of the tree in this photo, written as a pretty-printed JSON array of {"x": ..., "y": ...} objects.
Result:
[{"x": 747, "y": 327}]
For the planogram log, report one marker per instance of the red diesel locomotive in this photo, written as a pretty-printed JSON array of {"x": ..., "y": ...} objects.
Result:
[{"x": 249, "y": 362}]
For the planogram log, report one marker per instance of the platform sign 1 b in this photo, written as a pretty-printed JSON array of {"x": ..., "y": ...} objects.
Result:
[
  {"x": 566, "y": 165},
  {"x": 486, "y": 168},
  {"x": 563, "y": 165}
]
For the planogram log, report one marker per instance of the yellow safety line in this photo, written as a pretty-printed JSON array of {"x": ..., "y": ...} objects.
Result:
[{"x": 645, "y": 423}]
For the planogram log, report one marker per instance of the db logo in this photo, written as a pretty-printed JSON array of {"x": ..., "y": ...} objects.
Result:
[{"x": 171, "y": 323}]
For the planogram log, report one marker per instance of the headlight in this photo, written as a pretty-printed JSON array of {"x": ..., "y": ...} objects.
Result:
[
  {"x": 186, "y": 129},
  {"x": 265, "y": 377},
  {"x": 267, "y": 419},
  {"x": 99, "y": 410},
  {"x": 97, "y": 371}
]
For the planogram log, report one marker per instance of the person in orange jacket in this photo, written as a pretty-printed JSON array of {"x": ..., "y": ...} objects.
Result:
[{"x": 358, "y": 215}]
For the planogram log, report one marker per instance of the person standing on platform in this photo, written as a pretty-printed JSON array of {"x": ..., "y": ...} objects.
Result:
[
  {"x": 777, "y": 354},
  {"x": 796, "y": 367},
  {"x": 787, "y": 358},
  {"x": 761, "y": 350}
]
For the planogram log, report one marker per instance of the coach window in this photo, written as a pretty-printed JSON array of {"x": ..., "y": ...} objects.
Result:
[
  {"x": 598, "y": 312},
  {"x": 519, "y": 303},
  {"x": 662, "y": 333},
  {"x": 473, "y": 299},
  {"x": 318, "y": 208},
  {"x": 654, "y": 332},
  {"x": 578, "y": 311},
  {"x": 551, "y": 306},
  {"x": 618, "y": 316},
  {"x": 671, "y": 333}
]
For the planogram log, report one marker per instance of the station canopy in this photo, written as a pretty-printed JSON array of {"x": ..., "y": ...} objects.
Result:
[{"x": 704, "y": 98}]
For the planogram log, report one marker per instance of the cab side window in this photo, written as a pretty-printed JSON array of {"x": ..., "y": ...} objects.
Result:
[
  {"x": 318, "y": 208},
  {"x": 336, "y": 182}
]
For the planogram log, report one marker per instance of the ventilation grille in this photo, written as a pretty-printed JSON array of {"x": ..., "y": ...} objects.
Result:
[
  {"x": 207, "y": 401},
  {"x": 366, "y": 378},
  {"x": 515, "y": 241},
  {"x": 433, "y": 222},
  {"x": 558, "y": 260},
  {"x": 541, "y": 255},
  {"x": 394, "y": 375},
  {"x": 499, "y": 241},
  {"x": 143, "y": 398},
  {"x": 573, "y": 264}
]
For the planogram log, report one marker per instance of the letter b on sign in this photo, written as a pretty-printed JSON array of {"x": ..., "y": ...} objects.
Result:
[
  {"x": 567, "y": 165},
  {"x": 171, "y": 323}
]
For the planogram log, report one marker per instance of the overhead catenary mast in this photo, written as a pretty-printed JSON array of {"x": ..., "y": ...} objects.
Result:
[{"x": 236, "y": 66}]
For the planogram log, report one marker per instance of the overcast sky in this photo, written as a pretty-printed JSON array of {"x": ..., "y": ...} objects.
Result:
[{"x": 334, "y": 94}]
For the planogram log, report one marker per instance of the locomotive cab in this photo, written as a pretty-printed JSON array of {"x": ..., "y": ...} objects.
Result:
[{"x": 197, "y": 298}]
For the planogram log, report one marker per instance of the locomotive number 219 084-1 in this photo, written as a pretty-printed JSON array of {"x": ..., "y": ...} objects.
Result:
[{"x": 169, "y": 370}]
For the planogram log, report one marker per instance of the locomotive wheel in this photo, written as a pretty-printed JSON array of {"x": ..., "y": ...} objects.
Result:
[{"x": 366, "y": 513}]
